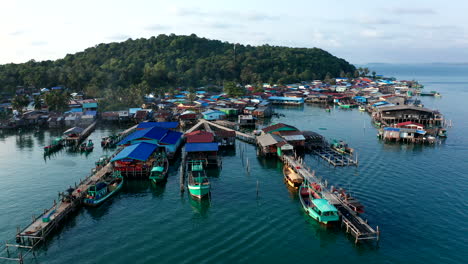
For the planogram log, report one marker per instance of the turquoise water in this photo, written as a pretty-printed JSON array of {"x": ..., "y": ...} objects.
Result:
[{"x": 416, "y": 194}]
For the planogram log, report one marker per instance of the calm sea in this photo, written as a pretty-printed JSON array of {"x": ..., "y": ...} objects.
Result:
[{"x": 416, "y": 194}]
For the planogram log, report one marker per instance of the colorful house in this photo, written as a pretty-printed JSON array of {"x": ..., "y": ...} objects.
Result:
[{"x": 213, "y": 115}]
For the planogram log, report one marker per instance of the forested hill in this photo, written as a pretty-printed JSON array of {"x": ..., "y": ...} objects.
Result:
[{"x": 168, "y": 61}]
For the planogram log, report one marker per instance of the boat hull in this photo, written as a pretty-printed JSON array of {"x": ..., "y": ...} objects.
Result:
[
  {"x": 198, "y": 191},
  {"x": 95, "y": 203}
]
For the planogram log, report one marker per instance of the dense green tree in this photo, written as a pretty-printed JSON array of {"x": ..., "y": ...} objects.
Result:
[
  {"x": 19, "y": 102},
  {"x": 233, "y": 90},
  {"x": 37, "y": 102},
  {"x": 172, "y": 61},
  {"x": 57, "y": 101}
]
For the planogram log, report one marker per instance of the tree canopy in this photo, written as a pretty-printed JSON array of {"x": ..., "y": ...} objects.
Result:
[{"x": 171, "y": 61}]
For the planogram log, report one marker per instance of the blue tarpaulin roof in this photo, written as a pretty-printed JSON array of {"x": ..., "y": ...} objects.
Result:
[
  {"x": 196, "y": 147},
  {"x": 171, "y": 137},
  {"x": 156, "y": 133},
  {"x": 168, "y": 125},
  {"x": 90, "y": 105},
  {"x": 75, "y": 110},
  {"x": 133, "y": 110},
  {"x": 391, "y": 129},
  {"x": 141, "y": 151},
  {"x": 91, "y": 113}
]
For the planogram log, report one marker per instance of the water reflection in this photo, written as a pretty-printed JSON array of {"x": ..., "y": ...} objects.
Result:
[{"x": 200, "y": 206}]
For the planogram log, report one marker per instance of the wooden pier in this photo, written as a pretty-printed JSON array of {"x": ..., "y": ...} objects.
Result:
[
  {"x": 76, "y": 141},
  {"x": 354, "y": 224},
  {"x": 335, "y": 158},
  {"x": 239, "y": 135}
]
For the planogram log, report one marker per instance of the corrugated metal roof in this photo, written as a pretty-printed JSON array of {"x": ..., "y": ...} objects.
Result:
[
  {"x": 201, "y": 147},
  {"x": 294, "y": 138},
  {"x": 90, "y": 105},
  {"x": 141, "y": 151},
  {"x": 167, "y": 125},
  {"x": 267, "y": 140},
  {"x": 156, "y": 133},
  {"x": 199, "y": 137},
  {"x": 171, "y": 137}
]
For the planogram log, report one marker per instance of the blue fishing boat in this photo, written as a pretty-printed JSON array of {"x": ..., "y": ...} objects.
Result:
[{"x": 98, "y": 193}]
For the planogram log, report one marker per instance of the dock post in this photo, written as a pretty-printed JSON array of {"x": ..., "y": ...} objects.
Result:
[
  {"x": 7, "y": 250},
  {"x": 257, "y": 188}
]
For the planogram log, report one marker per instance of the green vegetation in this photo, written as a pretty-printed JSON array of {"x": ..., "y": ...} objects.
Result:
[{"x": 118, "y": 70}]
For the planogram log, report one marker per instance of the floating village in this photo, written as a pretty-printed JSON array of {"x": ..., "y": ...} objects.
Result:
[{"x": 193, "y": 129}]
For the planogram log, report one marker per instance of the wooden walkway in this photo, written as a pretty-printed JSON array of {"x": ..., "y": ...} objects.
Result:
[
  {"x": 335, "y": 158},
  {"x": 242, "y": 136},
  {"x": 354, "y": 224}
]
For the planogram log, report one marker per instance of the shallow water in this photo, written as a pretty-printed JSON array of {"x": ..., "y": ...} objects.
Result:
[{"x": 416, "y": 194}]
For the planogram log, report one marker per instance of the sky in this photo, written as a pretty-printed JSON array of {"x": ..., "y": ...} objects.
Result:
[{"x": 360, "y": 31}]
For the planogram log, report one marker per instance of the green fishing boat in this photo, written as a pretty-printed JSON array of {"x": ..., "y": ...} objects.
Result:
[
  {"x": 56, "y": 144},
  {"x": 98, "y": 193},
  {"x": 362, "y": 108},
  {"x": 87, "y": 147},
  {"x": 315, "y": 206},
  {"x": 160, "y": 168},
  {"x": 198, "y": 183},
  {"x": 341, "y": 147},
  {"x": 102, "y": 160}
]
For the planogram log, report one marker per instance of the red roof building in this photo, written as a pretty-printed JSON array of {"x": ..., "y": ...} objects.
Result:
[{"x": 199, "y": 136}]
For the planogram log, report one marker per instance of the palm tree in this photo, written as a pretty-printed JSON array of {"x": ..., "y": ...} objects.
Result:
[
  {"x": 19, "y": 102},
  {"x": 37, "y": 102}
]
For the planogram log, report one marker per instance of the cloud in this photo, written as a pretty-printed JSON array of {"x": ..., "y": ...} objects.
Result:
[
  {"x": 259, "y": 17},
  {"x": 157, "y": 27},
  {"x": 370, "y": 33},
  {"x": 118, "y": 37},
  {"x": 17, "y": 32},
  {"x": 38, "y": 43},
  {"x": 412, "y": 11},
  {"x": 222, "y": 25},
  {"x": 377, "y": 21},
  {"x": 182, "y": 11}
]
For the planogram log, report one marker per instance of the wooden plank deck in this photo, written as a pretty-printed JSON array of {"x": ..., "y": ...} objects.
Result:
[
  {"x": 354, "y": 224},
  {"x": 335, "y": 158}
]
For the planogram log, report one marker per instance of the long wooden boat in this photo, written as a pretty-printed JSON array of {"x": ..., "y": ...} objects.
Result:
[
  {"x": 315, "y": 206},
  {"x": 160, "y": 167},
  {"x": 87, "y": 147},
  {"x": 291, "y": 177},
  {"x": 56, "y": 144},
  {"x": 98, "y": 193},
  {"x": 198, "y": 183},
  {"x": 341, "y": 147},
  {"x": 362, "y": 108}
]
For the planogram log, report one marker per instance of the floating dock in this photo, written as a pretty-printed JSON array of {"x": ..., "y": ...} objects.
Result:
[
  {"x": 335, "y": 158},
  {"x": 354, "y": 224}
]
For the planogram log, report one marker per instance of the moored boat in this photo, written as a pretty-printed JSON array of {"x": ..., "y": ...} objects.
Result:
[
  {"x": 98, "y": 193},
  {"x": 341, "y": 147},
  {"x": 160, "y": 167},
  {"x": 362, "y": 108},
  {"x": 102, "y": 160},
  {"x": 442, "y": 133},
  {"x": 349, "y": 200},
  {"x": 316, "y": 207},
  {"x": 87, "y": 147},
  {"x": 56, "y": 144},
  {"x": 291, "y": 177},
  {"x": 198, "y": 183}
]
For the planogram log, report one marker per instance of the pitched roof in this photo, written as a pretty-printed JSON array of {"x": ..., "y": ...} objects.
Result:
[
  {"x": 268, "y": 140},
  {"x": 275, "y": 127},
  {"x": 168, "y": 125},
  {"x": 156, "y": 133},
  {"x": 171, "y": 137},
  {"x": 141, "y": 151},
  {"x": 404, "y": 107},
  {"x": 199, "y": 136},
  {"x": 225, "y": 133}
]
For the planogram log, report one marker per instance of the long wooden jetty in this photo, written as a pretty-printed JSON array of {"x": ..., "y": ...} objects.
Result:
[
  {"x": 354, "y": 224},
  {"x": 240, "y": 135},
  {"x": 335, "y": 158}
]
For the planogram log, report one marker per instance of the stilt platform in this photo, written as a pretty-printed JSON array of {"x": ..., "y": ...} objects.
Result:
[{"x": 335, "y": 158}]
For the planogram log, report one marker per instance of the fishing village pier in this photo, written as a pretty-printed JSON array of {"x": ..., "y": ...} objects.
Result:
[{"x": 353, "y": 223}]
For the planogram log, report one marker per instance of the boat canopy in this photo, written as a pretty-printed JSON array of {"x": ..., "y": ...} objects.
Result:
[
  {"x": 324, "y": 206},
  {"x": 157, "y": 169}
]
